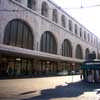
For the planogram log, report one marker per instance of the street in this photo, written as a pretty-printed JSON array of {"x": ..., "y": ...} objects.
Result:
[{"x": 48, "y": 88}]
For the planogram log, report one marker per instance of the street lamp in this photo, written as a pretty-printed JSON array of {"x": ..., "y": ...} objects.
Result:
[{"x": 73, "y": 64}]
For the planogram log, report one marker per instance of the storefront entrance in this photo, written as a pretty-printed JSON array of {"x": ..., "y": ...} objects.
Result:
[
  {"x": 15, "y": 66},
  {"x": 19, "y": 66},
  {"x": 3, "y": 68}
]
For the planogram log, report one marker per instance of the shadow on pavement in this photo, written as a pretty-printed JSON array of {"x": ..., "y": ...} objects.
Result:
[
  {"x": 29, "y": 92},
  {"x": 68, "y": 91}
]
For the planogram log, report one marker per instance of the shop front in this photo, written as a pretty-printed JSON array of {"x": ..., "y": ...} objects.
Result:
[
  {"x": 18, "y": 66},
  {"x": 16, "y": 61},
  {"x": 15, "y": 66}
]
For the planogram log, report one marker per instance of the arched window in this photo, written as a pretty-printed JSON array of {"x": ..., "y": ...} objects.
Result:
[
  {"x": 55, "y": 16},
  {"x": 44, "y": 9},
  {"x": 48, "y": 43},
  {"x": 18, "y": 33},
  {"x": 79, "y": 53},
  {"x": 31, "y": 4},
  {"x": 87, "y": 53},
  {"x": 63, "y": 21},
  {"x": 66, "y": 48}
]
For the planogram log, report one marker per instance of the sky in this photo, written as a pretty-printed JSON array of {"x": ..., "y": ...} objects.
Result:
[{"x": 88, "y": 16}]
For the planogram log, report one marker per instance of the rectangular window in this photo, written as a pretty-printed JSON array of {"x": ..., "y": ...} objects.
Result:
[
  {"x": 70, "y": 25},
  {"x": 75, "y": 29},
  {"x": 80, "y": 32},
  {"x": 88, "y": 37},
  {"x": 29, "y": 3},
  {"x": 91, "y": 38},
  {"x": 85, "y": 35},
  {"x": 18, "y": 0}
]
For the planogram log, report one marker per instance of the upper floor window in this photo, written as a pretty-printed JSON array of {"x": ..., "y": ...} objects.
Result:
[
  {"x": 88, "y": 37},
  {"x": 94, "y": 41},
  {"x": 80, "y": 32},
  {"x": 75, "y": 28},
  {"x": 55, "y": 16},
  {"x": 70, "y": 25},
  {"x": 29, "y": 3},
  {"x": 18, "y": 0},
  {"x": 63, "y": 21},
  {"x": 32, "y": 4},
  {"x": 91, "y": 39},
  {"x": 85, "y": 35},
  {"x": 44, "y": 9}
]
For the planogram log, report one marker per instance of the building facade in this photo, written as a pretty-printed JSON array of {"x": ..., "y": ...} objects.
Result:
[{"x": 38, "y": 38}]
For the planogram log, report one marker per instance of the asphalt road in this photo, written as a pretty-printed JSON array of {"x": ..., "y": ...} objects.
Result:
[{"x": 48, "y": 88}]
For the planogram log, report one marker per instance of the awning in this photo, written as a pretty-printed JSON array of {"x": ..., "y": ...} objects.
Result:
[
  {"x": 35, "y": 54},
  {"x": 91, "y": 66}
]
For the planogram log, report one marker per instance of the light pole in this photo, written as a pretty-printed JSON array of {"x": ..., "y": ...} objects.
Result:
[{"x": 72, "y": 71}]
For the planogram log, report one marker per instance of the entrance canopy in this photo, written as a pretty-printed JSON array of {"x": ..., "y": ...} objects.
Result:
[{"x": 35, "y": 54}]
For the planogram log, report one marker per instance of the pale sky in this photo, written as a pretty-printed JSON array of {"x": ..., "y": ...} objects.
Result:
[{"x": 88, "y": 17}]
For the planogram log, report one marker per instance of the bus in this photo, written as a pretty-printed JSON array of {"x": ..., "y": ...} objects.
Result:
[{"x": 90, "y": 71}]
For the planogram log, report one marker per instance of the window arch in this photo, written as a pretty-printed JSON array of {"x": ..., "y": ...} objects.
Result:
[
  {"x": 66, "y": 48},
  {"x": 48, "y": 43},
  {"x": 55, "y": 15},
  {"x": 18, "y": 33},
  {"x": 87, "y": 53},
  {"x": 63, "y": 21},
  {"x": 31, "y": 4},
  {"x": 44, "y": 9},
  {"x": 79, "y": 53}
]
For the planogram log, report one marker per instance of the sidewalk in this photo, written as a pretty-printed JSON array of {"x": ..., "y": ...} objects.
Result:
[{"x": 48, "y": 88}]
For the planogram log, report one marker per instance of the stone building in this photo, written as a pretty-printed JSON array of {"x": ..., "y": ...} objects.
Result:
[{"x": 37, "y": 37}]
